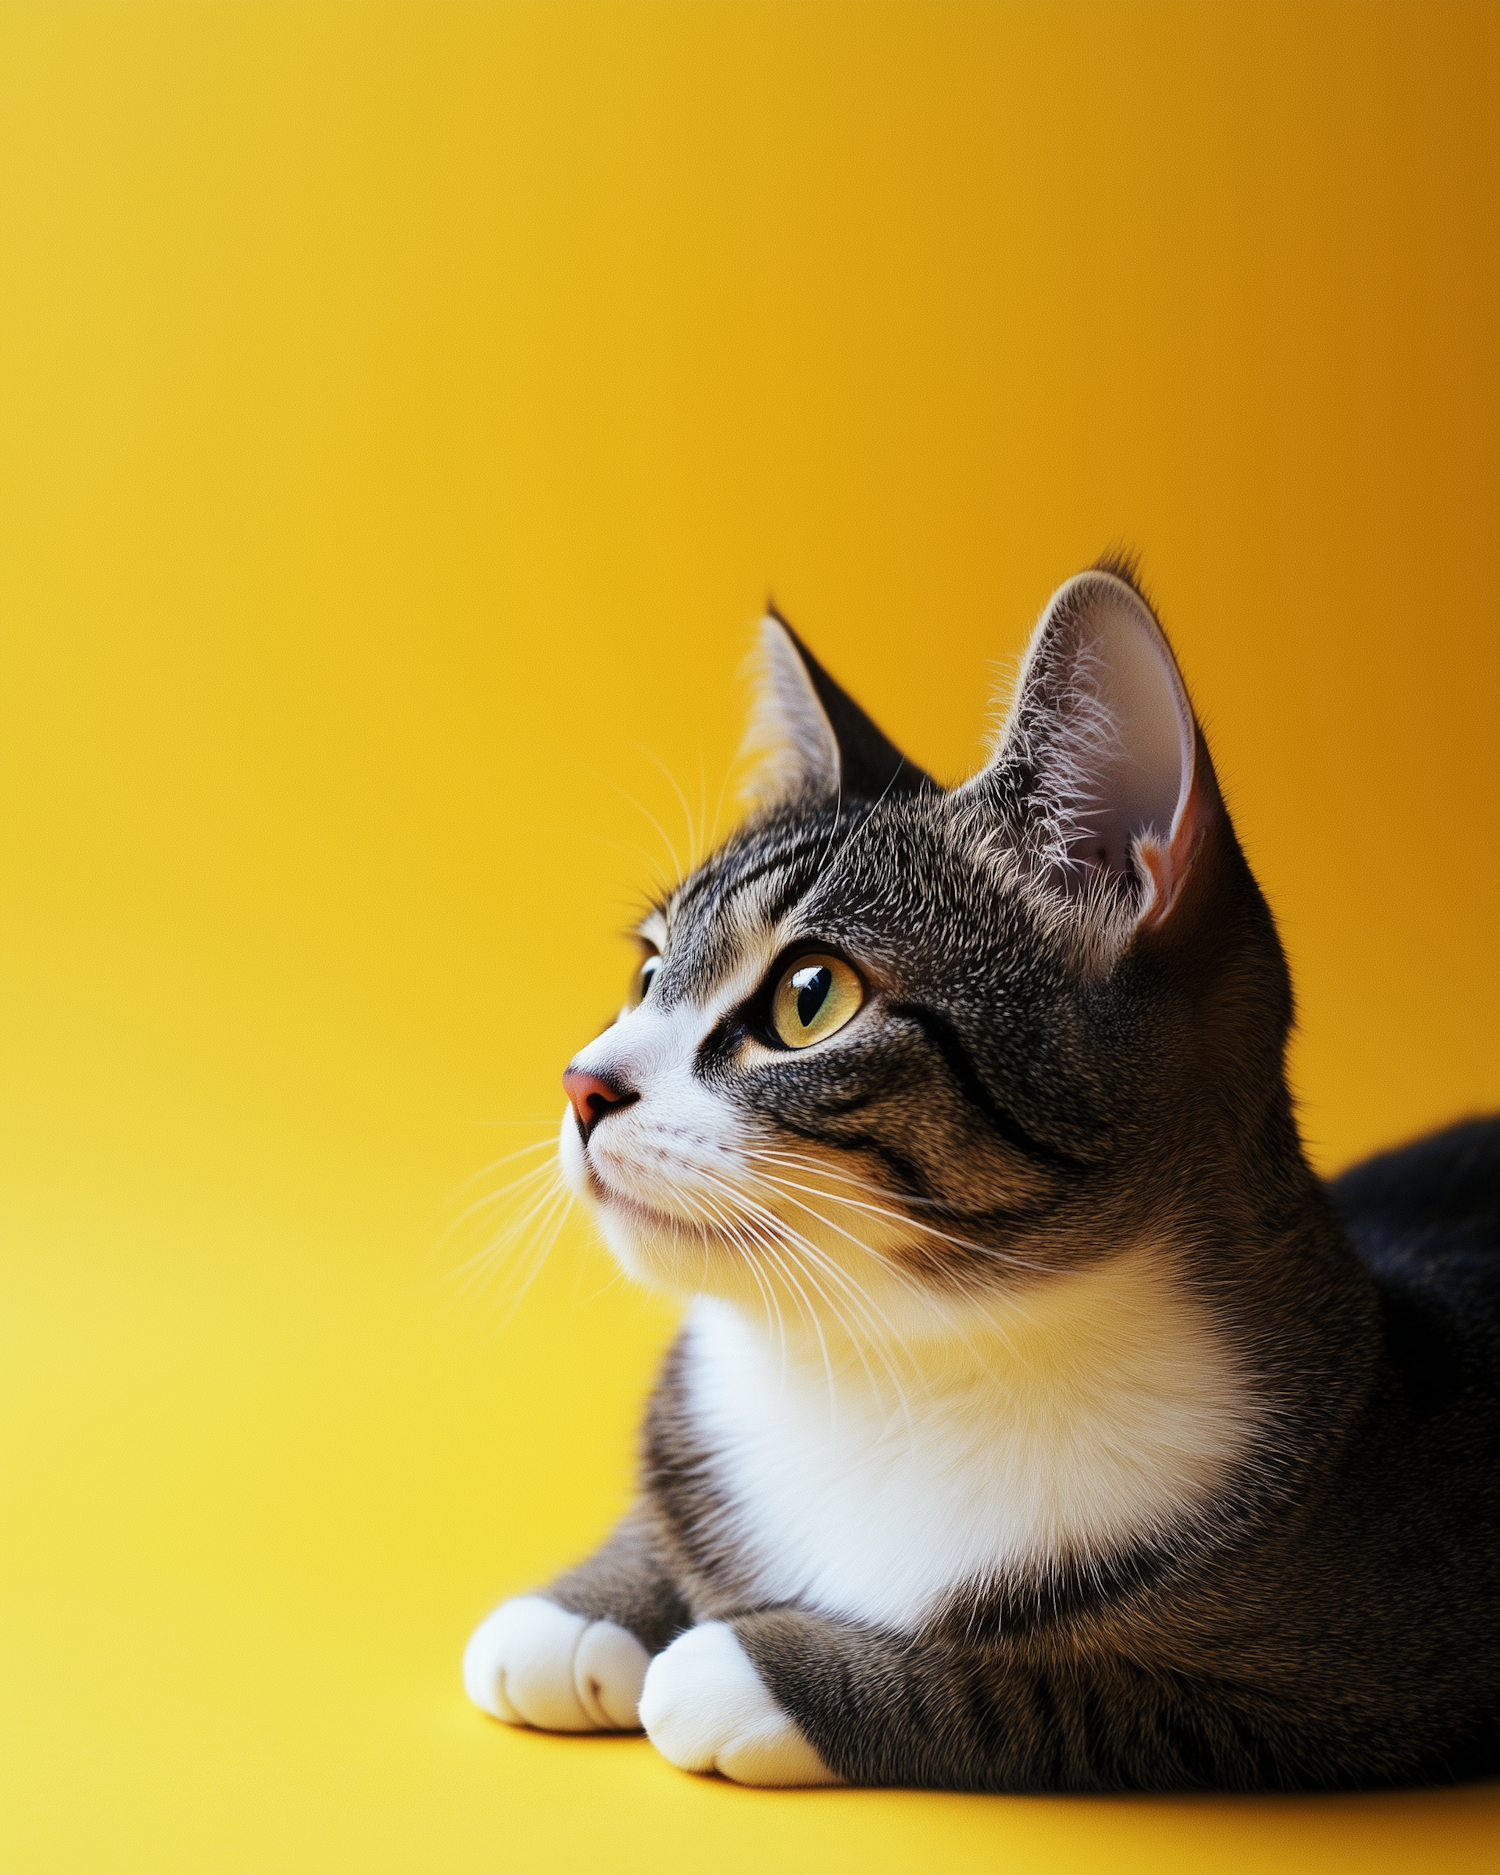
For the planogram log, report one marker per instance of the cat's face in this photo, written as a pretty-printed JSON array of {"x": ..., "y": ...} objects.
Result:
[
  {"x": 804, "y": 1062},
  {"x": 889, "y": 1053}
]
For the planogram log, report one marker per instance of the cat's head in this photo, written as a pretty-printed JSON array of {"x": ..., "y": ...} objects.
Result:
[{"x": 894, "y": 1049}]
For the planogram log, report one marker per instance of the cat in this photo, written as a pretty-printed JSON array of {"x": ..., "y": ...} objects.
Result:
[{"x": 1039, "y": 1422}]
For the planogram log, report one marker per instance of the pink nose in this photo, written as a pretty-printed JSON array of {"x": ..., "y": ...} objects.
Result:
[{"x": 592, "y": 1098}]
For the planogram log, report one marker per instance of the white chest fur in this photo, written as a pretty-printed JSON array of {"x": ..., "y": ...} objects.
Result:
[{"x": 1099, "y": 1409}]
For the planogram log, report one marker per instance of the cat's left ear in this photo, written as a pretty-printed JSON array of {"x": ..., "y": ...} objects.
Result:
[
  {"x": 1101, "y": 774},
  {"x": 808, "y": 737}
]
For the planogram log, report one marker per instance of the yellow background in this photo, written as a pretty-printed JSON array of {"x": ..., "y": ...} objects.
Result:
[{"x": 406, "y": 410}]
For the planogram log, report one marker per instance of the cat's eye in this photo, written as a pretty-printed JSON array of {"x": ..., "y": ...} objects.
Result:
[
  {"x": 643, "y": 978},
  {"x": 815, "y": 997}
]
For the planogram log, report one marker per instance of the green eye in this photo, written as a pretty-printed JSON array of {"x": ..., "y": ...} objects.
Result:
[{"x": 816, "y": 997}]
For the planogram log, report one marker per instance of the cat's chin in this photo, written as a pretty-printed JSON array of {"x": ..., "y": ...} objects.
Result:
[
  {"x": 680, "y": 1256},
  {"x": 692, "y": 1261},
  {"x": 663, "y": 1251}
]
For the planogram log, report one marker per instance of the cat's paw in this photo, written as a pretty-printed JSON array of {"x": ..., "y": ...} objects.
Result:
[
  {"x": 532, "y": 1663},
  {"x": 705, "y": 1708}
]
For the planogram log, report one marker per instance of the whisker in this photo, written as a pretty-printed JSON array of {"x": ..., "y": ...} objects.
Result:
[
  {"x": 694, "y": 850},
  {"x": 510, "y": 1230},
  {"x": 537, "y": 1145},
  {"x": 769, "y": 1229},
  {"x": 877, "y": 1326},
  {"x": 522, "y": 1217},
  {"x": 645, "y": 811},
  {"x": 551, "y": 1230},
  {"x": 766, "y": 1242},
  {"x": 666, "y": 879},
  {"x": 713, "y": 831},
  {"x": 909, "y": 1282},
  {"x": 859, "y": 827},
  {"x": 546, "y": 1170},
  {"x": 838, "y": 809},
  {"x": 898, "y": 1217},
  {"x": 767, "y": 1292}
]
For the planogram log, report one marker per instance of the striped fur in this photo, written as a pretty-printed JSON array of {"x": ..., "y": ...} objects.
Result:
[{"x": 1038, "y": 1423}]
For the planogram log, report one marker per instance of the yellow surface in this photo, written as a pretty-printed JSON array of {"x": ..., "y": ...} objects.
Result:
[{"x": 405, "y": 412}]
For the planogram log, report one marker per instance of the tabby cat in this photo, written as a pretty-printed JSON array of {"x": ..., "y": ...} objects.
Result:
[{"x": 1040, "y": 1422}]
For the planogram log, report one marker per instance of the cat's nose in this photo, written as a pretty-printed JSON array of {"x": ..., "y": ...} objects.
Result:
[{"x": 593, "y": 1097}]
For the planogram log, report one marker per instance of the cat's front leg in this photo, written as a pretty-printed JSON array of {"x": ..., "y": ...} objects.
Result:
[
  {"x": 787, "y": 1697},
  {"x": 705, "y": 1708},
  {"x": 826, "y": 1700}
]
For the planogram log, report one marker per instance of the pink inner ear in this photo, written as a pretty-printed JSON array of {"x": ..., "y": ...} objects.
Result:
[
  {"x": 1126, "y": 747},
  {"x": 1103, "y": 723},
  {"x": 1165, "y": 862}
]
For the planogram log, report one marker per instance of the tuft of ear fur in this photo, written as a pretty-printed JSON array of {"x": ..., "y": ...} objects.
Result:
[
  {"x": 1101, "y": 781},
  {"x": 809, "y": 737}
]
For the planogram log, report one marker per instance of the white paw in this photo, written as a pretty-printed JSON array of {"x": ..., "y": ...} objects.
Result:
[
  {"x": 705, "y": 1708},
  {"x": 532, "y": 1663}
]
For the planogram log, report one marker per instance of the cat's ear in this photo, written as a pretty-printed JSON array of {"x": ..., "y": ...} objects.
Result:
[
  {"x": 1101, "y": 774},
  {"x": 809, "y": 737}
]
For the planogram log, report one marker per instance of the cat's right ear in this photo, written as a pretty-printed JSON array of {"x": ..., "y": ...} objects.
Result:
[
  {"x": 809, "y": 738},
  {"x": 1101, "y": 782}
]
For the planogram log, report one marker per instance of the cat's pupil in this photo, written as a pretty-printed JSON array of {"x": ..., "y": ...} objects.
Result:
[{"x": 812, "y": 986}]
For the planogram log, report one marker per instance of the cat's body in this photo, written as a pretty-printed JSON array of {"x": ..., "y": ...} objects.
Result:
[{"x": 1039, "y": 1425}]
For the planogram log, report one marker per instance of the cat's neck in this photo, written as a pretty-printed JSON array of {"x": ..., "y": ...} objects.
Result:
[
  {"x": 1127, "y": 1327},
  {"x": 1073, "y": 1421}
]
